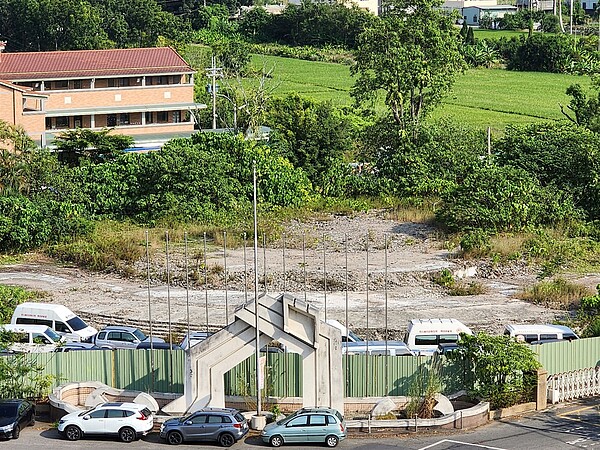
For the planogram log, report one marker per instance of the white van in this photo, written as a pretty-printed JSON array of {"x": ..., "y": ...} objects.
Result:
[
  {"x": 33, "y": 338},
  {"x": 424, "y": 335},
  {"x": 58, "y": 317},
  {"x": 391, "y": 348},
  {"x": 539, "y": 333},
  {"x": 347, "y": 334}
]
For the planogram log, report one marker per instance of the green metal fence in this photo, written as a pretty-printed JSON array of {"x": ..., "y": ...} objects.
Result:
[
  {"x": 122, "y": 369},
  {"x": 364, "y": 376},
  {"x": 560, "y": 357}
]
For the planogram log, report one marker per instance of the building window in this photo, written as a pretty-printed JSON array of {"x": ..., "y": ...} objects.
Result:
[
  {"x": 111, "y": 120},
  {"x": 584, "y": 5},
  {"x": 62, "y": 84},
  {"x": 77, "y": 84},
  {"x": 62, "y": 122},
  {"x": 149, "y": 117},
  {"x": 118, "y": 82},
  {"x": 124, "y": 119},
  {"x": 162, "y": 116},
  {"x": 176, "y": 116},
  {"x": 77, "y": 121},
  {"x": 49, "y": 123}
]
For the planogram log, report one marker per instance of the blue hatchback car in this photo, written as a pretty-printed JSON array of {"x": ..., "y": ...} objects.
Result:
[{"x": 308, "y": 425}]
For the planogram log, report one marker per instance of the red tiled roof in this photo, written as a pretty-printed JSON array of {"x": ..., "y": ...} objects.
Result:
[{"x": 91, "y": 63}]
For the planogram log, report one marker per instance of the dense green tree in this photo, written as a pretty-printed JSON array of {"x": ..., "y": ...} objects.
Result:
[
  {"x": 311, "y": 135},
  {"x": 496, "y": 199},
  {"x": 412, "y": 55},
  {"x": 560, "y": 155},
  {"x": 254, "y": 24},
  {"x": 584, "y": 110},
  {"x": 96, "y": 146}
]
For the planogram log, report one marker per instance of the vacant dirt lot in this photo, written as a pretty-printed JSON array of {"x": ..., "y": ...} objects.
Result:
[{"x": 413, "y": 256}]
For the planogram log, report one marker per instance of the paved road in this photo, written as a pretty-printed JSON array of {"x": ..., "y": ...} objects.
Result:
[{"x": 569, "y": 426}]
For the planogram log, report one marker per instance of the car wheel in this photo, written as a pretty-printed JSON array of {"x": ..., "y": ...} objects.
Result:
[
  {"x": 73, "y": 433},
  {"x": 174, "y": 438},
  {"x": 32, "y": 421},
  {"x": 127, "y": 434},
  {"x": 276, "y": 441},
  {"x": 331, "y": 441},
  {"x": 226, "y": 440},
  {"x": 16, "y": 432}
]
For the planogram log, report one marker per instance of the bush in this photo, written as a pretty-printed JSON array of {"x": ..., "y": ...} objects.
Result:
[
  {"x": 542, "y": 53},
  {"x": 10, "y": 297},
  {"x": 560, "y": 155},
  {"x": 557, "y": 293},
  {"x": 495, "y": 199}
]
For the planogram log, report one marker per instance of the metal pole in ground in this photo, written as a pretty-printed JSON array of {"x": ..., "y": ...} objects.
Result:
[
  {"x": 325, "y": 276},
  {"x": 368, "y": 334},
  {"x": 226, "y": 280},
  {"x": 283, "y": 261},
  {"x": 385, "y": 289},
  {"x": 304, "y": 261},
  {"x": 187, "y": 290},
  {"x": 256, "y": 312},
  {"x": 245, "y": 272},
  {"x": 264, "y": 244},
  {"x": 150, "y": 314},
  {"x": 205, "y": 284},
  {"x": 346, "y": 314},
  {"x": 169, "y": 309}
]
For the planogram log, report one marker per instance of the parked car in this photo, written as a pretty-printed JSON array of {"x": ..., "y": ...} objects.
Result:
[
  {"x": 532, "y": 332},
  {"x": 307, "y": 425},
  {"x": 446, "y": 347},
  {"x": 32, "y": 338},
  {"x": 14, "y": 416},
  {"x": 114, "y": 336},
  {"x": 195, "y": 338},
  {"x": 58, "y": 317},
  {"x": 424, "y": 335},
  {"x": 147, "y": 345},
  {"x": 76, "y": 346},
  {"x": 223, "y": 425},
  {"x": 128, "y": 421},
  {"x": 391, "y": 348}
]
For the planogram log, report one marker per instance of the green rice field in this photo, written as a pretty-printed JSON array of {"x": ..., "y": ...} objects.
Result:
[{"x": 481, "y": 97}]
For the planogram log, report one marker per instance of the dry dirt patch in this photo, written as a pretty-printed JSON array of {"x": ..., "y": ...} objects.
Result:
[{"x": 413, "y": 255}]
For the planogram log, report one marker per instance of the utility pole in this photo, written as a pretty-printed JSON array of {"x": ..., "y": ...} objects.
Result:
[{"x": 213, "y": 72}]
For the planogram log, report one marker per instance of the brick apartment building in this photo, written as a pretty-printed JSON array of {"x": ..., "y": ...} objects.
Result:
[{"x": 146, "y": 93}]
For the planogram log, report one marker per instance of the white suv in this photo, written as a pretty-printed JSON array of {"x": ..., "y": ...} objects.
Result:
[{"x": 128, "y": 421}]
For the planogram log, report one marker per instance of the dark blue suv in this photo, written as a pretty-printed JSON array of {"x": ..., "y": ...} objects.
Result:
[{"x": 223, "y": 425}]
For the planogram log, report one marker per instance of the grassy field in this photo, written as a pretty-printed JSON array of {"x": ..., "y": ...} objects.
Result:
[
  {"x": 497, "y": 34},
  {"x": 482, "y": 97}
]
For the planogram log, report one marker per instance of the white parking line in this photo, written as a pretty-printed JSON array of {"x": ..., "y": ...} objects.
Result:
[{"x": 463, "y": 443}]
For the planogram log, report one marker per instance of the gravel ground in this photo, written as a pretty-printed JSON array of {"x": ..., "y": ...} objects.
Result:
[{"x": 414, "y": 255}]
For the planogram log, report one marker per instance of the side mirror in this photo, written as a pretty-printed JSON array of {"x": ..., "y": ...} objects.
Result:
[
  {"x": 86, "y": 417},
  {"x": 187, "y": 422}
]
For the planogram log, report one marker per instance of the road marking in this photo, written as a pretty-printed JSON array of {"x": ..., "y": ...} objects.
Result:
[
  {"x": 585, "y": 408},
  {"x": 460, "y": 442}
]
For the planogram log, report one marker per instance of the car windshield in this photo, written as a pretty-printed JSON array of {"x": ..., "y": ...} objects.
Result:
[
  {"x": 8, "y": 410},
  {"x": 77, "y": 324},
  {"x": 138, "y": 334},
  {"x": 52, "y": 334}
]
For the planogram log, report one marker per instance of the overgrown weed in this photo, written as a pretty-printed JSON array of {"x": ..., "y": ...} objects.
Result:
[{"x": 556, "y": 293}]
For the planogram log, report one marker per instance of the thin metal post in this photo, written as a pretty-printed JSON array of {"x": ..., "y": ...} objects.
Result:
[
  {"x": 283, "y": 261},
  {"x": 245, "y": 272},
  {"x": 150, "y": 314},
  {"x": 385, "y": 290},
  {"x": 226, "y": 278},
  {"x": 187, "y": 290},
  {"x": 205, "y": 284},
  {"x": 346, "y": 314},
  {"x": 304, "y": 261},
  {"x": 368, "y": 334},
  {"x": 325, "y": 276},
  {"x": 169, "y": 308},
  {"x": 264, "y": 244},
  {"x": 256, "y": 312}
]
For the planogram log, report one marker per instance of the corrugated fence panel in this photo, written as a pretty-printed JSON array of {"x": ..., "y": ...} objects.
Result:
[
  {"x": 283, "y": 376},
  {"x": 559, "y": 357},
  {"x": 133, "y": 370},
  {"x": 123, "y": 369}
]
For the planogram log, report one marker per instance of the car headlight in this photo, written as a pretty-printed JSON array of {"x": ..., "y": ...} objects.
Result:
[{"x": 6, "y": 428}]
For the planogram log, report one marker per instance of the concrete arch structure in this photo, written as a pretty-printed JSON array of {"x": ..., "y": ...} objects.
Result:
[{"x": 292, "y": 322}]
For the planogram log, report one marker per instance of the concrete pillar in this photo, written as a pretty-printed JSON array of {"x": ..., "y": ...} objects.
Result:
[{"x": 542, "y": 389}]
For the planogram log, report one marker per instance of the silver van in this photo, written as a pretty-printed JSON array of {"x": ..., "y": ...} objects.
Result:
[{"x": 33, "y": 338}]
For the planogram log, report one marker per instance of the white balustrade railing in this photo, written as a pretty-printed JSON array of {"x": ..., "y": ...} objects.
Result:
[{"x": 576, "y": 384}]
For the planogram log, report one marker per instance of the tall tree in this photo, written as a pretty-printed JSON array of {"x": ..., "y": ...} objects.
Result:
[{"x": 412, "y": 54}]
